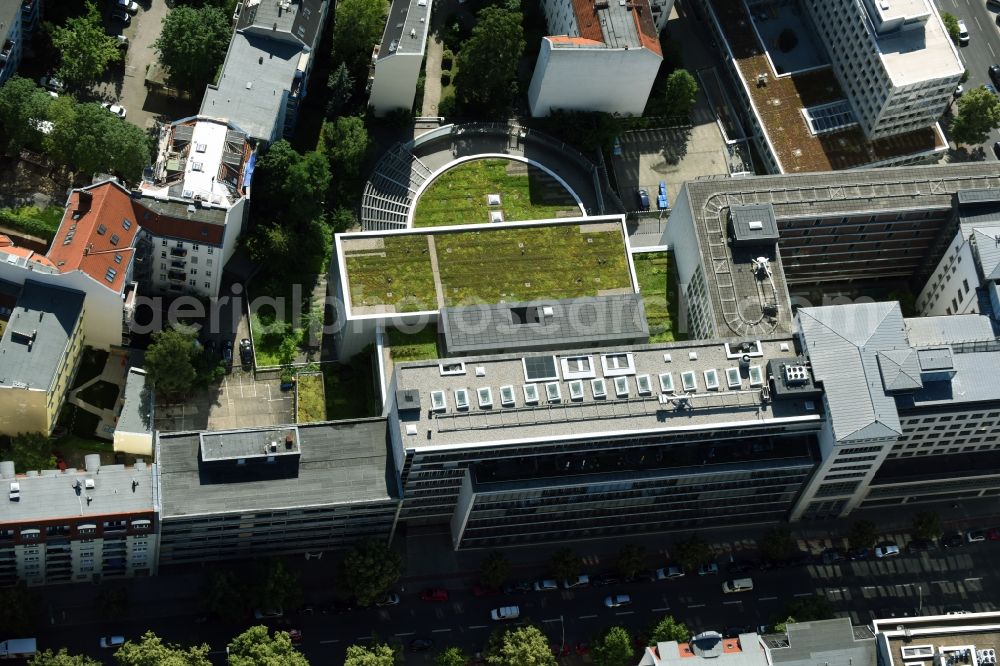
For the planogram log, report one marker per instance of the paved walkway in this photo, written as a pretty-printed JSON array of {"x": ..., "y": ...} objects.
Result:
[
  {"x": 114, "y": 372},
  {"x": 432, "y": 72}
]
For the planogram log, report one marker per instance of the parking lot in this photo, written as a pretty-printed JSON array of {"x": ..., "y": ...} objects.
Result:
[{"x": 239, "y": 401}]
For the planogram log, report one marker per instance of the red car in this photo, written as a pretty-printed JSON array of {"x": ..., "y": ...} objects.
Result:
[
  {"x": 562, "y": 651},
  {"x": 484, "y": 591},
  {"x": 993, "y": 534},
  {"x": 582, "y": 648},
  {"x": 434, "y": 594}
]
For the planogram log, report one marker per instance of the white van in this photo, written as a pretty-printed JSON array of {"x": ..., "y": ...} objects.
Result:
[
  {"x": 738, "y": 585},
  {"x": 505, "y": 613}
]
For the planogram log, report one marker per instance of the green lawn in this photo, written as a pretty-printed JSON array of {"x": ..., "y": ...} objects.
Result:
[
  {"x": 458, "y": 196},
  {"x": 102, "y": 394},
  {"x": 91, "y": 365},
  {"x": 486, "y": 265},
  {"x": 658, "y": 283},
  {"x": 310, "y": 398},
  {"x": 270, "y": 330},
  {"x": 419, "y": 346},
  {"x": 350, "y": 388},
  {"x": 41, "y": 222}
]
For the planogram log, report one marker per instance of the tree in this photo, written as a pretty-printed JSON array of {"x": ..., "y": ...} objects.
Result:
[
  {"x": 369, "y": 570},
  {"x": 692, "y": 553},
  {"x": 452, "y": 656},
  {"x": 169, "y": 361},
  {"x": 192, "y": 45},
  {"x": 225, "y": 595},
  {"x": 306, "y": 185},
  {"x": 92, "y": 140},
  {"x": 681, "y": 92},
  {"x": 521, "y": 646},
  {"x": 342, "y": 219},
  {"x": 85, "y": 48},
  {"x": 19, "y": 610},
  {"x": 487, "y": 62},
  {"x": 374, "y": 655},
  {"x": 22, "y": 105},
  {"x": 565, "y": 564},
  {"x": 614, "y": 648},
  {"x": 30, "y": 451},
  {"x": 777, "y": 543},
  {"x": 927, "y": 525},
  {"x": 951, "y": 25},
  {"x": 272, "y": 173},
  {"x": 257, "y": 647},
  {"x": 978, "y": 114},
  {"x": 669, "y": 629},
  {"x": 278, "y": 587},
  {"x": 631, "y": 558},
  {"x": 359, "y": 25},
  {"x": 61, "y": 658},
  {"x": 150, "y": 650},
  {"x": 341, "y": 85},
  {"x": 346, "y": 144},
  {"x": 862, "y": 534},
  {"x": 494, "y": 569}
]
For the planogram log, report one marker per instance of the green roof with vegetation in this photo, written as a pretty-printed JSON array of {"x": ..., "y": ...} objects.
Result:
[
  {"x": 417, "y": 346},
  {"x": 397, "y": 272},
  {"x": 458, "y": 196},
  {"x": 310, "y": 398},
  {"x": 657, "y": 278}
]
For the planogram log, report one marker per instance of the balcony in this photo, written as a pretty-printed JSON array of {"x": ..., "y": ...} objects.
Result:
[
  {"x": 178, "y": 252},
  {"x": 177, "y": 276},
  {"x": 178, "y": 263},
  {"x": 7, "y": 50}
]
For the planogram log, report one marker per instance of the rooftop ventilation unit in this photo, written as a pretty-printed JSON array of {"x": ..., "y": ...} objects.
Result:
[
  {"x": 15, "y": 491},
  {"x": 89, "y": 484},
  {"x": 755, "y": 225},
  {"x": 796, "y": 374}
]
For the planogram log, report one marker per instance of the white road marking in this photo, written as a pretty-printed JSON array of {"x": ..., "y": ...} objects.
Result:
[
  {"x": 363, "y": 638},
  {"x": 330, "y": 640},
  {"x": 939, "y": 582},
  {"x": 992, "y": 52},
  {"x": 624, "y": 612},
  {"x": 439, "y": 631},
  {"x": 803, "y": 594},
  {"x": 696, "y": 605},
  {"x": 478, "y": 626},
  {"x": 976, "y": 18},
  {"x": 767, "y": 598},
  {"x": 587, "y": 617},
  {"x": 972, "y": 580},
  {"x": 661, "y": 610},
  {"x": 406, "y": 633},
  {"x": 731, "y": 602},
  {"x": 553, "y": 619}
]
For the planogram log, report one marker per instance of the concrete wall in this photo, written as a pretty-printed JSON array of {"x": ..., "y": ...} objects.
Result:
[
  {"x": 395, "y": 83},
  {"x": 956, "y": 269},
  {"x": 592, "y": 79}
]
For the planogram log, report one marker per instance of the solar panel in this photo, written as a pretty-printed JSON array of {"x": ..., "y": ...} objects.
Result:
[{"x": 540, "y": 368}]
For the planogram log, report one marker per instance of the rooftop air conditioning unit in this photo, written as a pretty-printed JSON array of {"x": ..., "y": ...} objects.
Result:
[{"x": 89, "y": 484}]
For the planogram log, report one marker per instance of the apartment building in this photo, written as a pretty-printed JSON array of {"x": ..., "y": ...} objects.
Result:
[
  {"x": 265, "y": 75},
  {"x": 274, "y": 491},
  {"x": 600, "y": 56},
  {"x": 853, "y": 226},
  {"x": 587, "y": 443},
  {"x": 78, "y": 525},
  {"x": 969, "y": 638},
  {"x": 747, "y": 649},
  {"x": 397, "y": 59},
  {"x": 13, "y": 34},
  {"x": 31, "y": 11},
  {"x": 895, "y": 61},
  {"x": 792, "y": 103},
  {"x": 195, "y": 200},
  {"x": 39, "y": 353}
]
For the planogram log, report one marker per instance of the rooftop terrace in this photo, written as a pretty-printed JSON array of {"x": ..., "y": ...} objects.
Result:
[
  {"x": 779, "y": 103},
  {"x": 415, "y": 271},
  {"x": 573, "y": 394}
]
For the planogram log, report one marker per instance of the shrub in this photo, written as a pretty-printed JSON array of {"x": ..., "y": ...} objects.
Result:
[
  {"x": 447, "y": 106},
  {"x": 445, "y": 78}
]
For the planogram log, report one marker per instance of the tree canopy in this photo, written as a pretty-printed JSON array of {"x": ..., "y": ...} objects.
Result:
[
  {"x": 23, "y": 105},
  {"x": 520, "y": 646},
  {"x": 777, "y": 543},
  {"x": 277, "y": 587},
  {"x": 359, "y": 25},
  {"x": 31, "y": 451},
  {"x": 192, "y": 45},
  {"x": 927, "y": 525},
  {"x": 87, "y": 137},
  {"x": 373, "y": 655},
  {"x": 692, "y": 553},
  {"x": 258, "y": 647},
  {"x": 565, "y": 564},
  {"x": 225, "y": 595},
  {"x": 452, "y": 656},
  {"x": 951, "y": 25},
  {"x": 614, "y": 648},
  {"x": 681, "y": 92},
  {"x": 346, "y": 144},
  {"x": 19, "y": 610},
  {"x": 150, "y": 650},
  {"x": 169, "y": 361},
  {"x": 494, "y": 569},
  {"x": 669, "y": 629},
  {"x": 487, "y": 61},
  {"x": 369, "y": 569},
  {"x": 631, "y": 558},
  {"x": 85, "y": 48},
  {"x": 978, "y": 114},
  {"x": 341, "y": 85},
  {"x": 61, "y": 658},
  {"x": 862, "y": 534}
]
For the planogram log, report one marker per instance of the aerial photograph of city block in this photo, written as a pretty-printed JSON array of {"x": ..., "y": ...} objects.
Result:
[{"x": 500, "y": 332}]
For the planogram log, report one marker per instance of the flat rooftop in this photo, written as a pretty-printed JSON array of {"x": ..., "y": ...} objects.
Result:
[
  {"x": 427, "y": 269},
  {"x": 241, "y": 444},
  {"x": 341, "y": 463},
  {"x": 406, "y": 27},
  {"x": 33, "y": 346},
  {"x": 779, "y": 104},
  {"x": 577, "y": 394},
  {"x": 616, "y": 25},
  {"x": 52, "y": 494},
  {"x": 912, "y": 41},
  {"x": 971, "y": 639}
]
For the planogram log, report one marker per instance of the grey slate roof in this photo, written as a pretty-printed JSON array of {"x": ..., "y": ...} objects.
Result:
[
  {"x": 597, "y": 321},
  {"x": 406, "y": 27},
  {"x": 342, "y": 462},
  {"x": 50, "y": 494},
  {"x": 137, "y": 410},
  {"x": 974, "y": 380},
  {"x": 900, "y": 370},
  {"x": 828, "y": 642},
  {"x": 987, "y": 241},
  {"x": 843, "y": 343},
  {"x": 269, "y": 66},
  {"x": 32, "y": 347},
  {"x": 948, "y": 330},
  {"x": 300, "y": 20}
]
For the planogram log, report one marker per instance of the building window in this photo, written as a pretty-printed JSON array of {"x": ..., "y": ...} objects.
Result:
[
  {"x": 211, "y": 250},
  {"x": 164, "y": 242},
  {"x": 195, "y": 247},
  {"x": 115, "y": 238},
  {"x": 208, "y": 285}
]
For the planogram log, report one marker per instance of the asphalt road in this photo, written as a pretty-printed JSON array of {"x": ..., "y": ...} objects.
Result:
[
  {"x": 928, "y": 582},
  {"x": 983, "y": 49}
]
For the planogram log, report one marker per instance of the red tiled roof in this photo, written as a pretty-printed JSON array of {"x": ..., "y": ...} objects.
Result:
[
  {"x": 7, "y": 245},
  {"x": 93, "y": 233},
  {"x": 192, "y": 230},
  {"x": 645, "y": 27},
  {"x": 579, "y": 41},
  {"x": 586, "y": 20}
]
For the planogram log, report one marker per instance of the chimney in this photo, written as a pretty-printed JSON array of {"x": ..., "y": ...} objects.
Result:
[
  {"x": 289, "y": 442},
  {"x": 84, "y": 200}
]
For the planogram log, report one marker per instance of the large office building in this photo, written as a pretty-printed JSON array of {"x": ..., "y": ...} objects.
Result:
[
  {"x": 287, "y": 490},
  {"x": 78, "y": 525}
]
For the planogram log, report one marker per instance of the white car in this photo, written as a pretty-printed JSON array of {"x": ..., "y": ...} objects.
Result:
[
  {"x": 116, "y": 109},
  {"x": 112, "y": 641},
  {"x": 963, "y": 34},
  {"x": 617, "y": 600},
  {"x": 505, "y": 613},
  {"x": 547, "y": 585},
  {"x": 669, "y": 572},
  {"x": 131, "y": 6},
  {"x": 52, "y": 83},
  {"x": 887, "y": 550}
]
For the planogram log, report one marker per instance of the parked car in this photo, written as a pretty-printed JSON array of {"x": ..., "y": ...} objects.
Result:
[
  {"x": 131, "y": 6},
  {"x": 582, "y": 580},
  {"x": 708, "y": 569},
  {"x": 546, "y": 585},
  {"x": 268, "y": 613},
  {"x": 607, "y": 579},
  {"x": 669, "y": 573},
  {"x": 519, "y": 586},
  {"x": 116, "y": 109},
  {"x": 642, "y": 197},
  {"x": 421, "y": 644},
  {"x": 958, "y": 90},
  {"x": 246, "y": 352},
  {"x": 617, "y": 601},
  {"x": 859, "y": 554},
  {"x": 995, "y": 74},
  {"x": 886, "y": 550},
  {"x": 52, "y": 83},
  {"x": 921, "y": 545},
  {"x": 121, "y": 15},
  {"x": 643, "y": 576},
  {"x": 337, "y": 607},
  {"x": 975, "y": 536},
  {"x": 434, "y": 594},
  {"x": 227, "y": 352},
  {"x": 391, "y": 599},
  {"x": 111, "y": 641},
  {"x": 963, "y": 34},
  {"x": 505, "y": 613},
  {"x": 122, "y": 41},
  {"x": 953, "y": 540}
]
